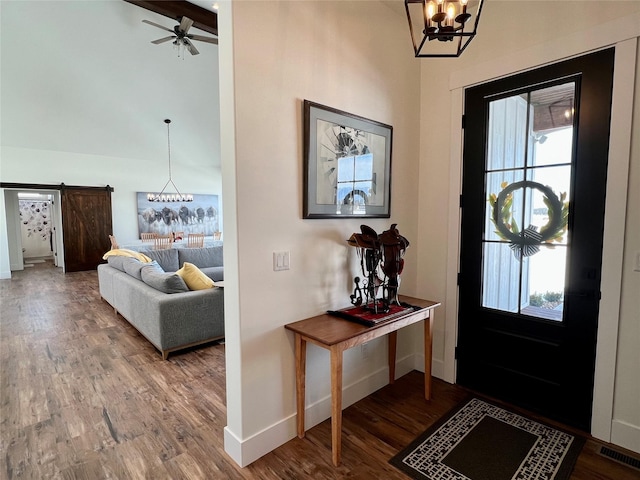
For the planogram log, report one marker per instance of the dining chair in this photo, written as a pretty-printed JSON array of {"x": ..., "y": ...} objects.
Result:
[
  {"x": 162, "y": 242},
  {"x": 195, "y": 240},
  {"x": 217, "y": 235},
  {"x": 148, "y": 237},
  {"x": 114, "y": 242}
]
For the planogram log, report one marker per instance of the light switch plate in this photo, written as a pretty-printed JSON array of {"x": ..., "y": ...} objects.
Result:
[{"x": 280, "y": 261}]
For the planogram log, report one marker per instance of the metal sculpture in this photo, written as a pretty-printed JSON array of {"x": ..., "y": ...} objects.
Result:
[{"x": 381, "y": 262}]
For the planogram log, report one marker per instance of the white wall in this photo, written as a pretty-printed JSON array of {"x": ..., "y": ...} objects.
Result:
[
  {"x": 350, "y": 55},
  {"x": 83, "y": 76},
  {"x": 626, "y": 408},
  {"x": 506, "y": 44},
  {"x": 14, "y": 258}
]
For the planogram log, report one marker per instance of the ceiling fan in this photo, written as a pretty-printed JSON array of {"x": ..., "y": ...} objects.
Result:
[{"x": 181, "y": 36}]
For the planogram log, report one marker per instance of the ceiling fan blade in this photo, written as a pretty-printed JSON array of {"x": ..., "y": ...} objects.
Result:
[
  {"x": 202, "y": 38},
  {"x": 192, "y": 50},
  {"x": 185, "y": 24},
  {"x": 162, "y": 40},
  {"x": 156, "y": 25}
]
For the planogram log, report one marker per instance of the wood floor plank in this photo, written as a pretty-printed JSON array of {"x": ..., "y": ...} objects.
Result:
[{"x": 84, "y": 396}]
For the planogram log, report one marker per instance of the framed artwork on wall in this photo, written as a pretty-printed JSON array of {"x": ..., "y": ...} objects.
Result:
[
  {"x": 347, "y": 165},
  {"x": 198, "y": 216}
]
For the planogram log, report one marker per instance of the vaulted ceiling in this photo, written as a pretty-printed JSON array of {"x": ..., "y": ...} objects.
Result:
[
  {"x": 201, "y": 12},
  {"x": 84, "y": 77}
]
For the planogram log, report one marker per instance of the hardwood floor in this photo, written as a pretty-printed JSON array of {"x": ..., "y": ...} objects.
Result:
[{"x": 84, "y": 396}]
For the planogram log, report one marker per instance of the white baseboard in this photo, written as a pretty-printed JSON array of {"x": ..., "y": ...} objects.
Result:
[
  {"x": 625, "y": 435},
  {"x": 233, "y": 446},
  {"x": 5, "y": 275},
  {"x": 437, "y": 366},
  {"x": 254, "y": 447},
  {"x": 246, "y": 451}
]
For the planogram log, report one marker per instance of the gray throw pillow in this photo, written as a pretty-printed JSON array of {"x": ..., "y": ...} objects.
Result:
[
  {"x": 162, "y": 281},
  {"x": 134, "y": 267},
  {"x": 117, "y": 261},
  {"x": 166, "y": 257}
]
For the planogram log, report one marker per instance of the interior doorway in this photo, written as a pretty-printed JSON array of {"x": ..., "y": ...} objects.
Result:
[
  {"x": 34, "y": 227},
  {"x": 37, "y": 227}
]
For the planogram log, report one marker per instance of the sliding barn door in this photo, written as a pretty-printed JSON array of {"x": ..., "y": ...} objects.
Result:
[{"x": 86, "y": 226}]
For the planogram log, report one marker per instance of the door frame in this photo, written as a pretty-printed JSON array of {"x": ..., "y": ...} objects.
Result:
[
  {"x": 615, "y": 210},
  {"x": 12, "y": 216}
]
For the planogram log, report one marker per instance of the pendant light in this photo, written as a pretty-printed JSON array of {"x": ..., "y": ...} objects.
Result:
[
  {"x": 169, "y": 197},
  {"x": 442, "y": 28}
]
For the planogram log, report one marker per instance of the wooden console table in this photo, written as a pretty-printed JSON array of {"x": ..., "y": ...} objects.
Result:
[{"x": 337, "y": 335}]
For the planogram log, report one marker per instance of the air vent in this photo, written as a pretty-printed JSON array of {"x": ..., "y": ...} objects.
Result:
[{"x": 620, "y": 457}]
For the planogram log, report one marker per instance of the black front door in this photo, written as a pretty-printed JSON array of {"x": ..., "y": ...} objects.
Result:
[{"x": 533, "y": 198}]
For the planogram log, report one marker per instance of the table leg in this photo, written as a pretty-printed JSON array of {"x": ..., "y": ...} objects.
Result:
[
  {"x": 336, "y": 404},
  {"x": 393, "y": 338},
  {"x": 428, "y": 352},
  {"x": 301, "y": 357}
]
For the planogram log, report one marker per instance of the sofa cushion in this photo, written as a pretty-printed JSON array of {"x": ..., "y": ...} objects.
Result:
[
  {"x": 214, "y": 273},
  {"x": 116, "y": 262},
  {"x": 166, "y": 257},
  {"x": 134, "y": 267},
  {"x": 194, "y": 278},
  {"x": 155, "y": 265},
  {"x": 123, "y": 252},
  {"x": 201, "y": 257},
  {"x": 166, "y": 282}
]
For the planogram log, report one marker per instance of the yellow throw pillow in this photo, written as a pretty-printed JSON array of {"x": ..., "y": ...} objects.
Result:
[
  {"x": 123, "y": 252},
  {"x": 194, "y": 278}
]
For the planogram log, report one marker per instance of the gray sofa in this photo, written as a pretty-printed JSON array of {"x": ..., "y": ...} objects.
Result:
[{"x": 157, "y": 302}]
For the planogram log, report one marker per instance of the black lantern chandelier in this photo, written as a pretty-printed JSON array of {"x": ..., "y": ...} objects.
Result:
[
  {"x": 442, "y": 28},
  {"x": 169, "y": 197}
]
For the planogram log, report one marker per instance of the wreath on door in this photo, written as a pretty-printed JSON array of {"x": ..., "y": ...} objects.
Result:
[{"x": 528, "y": 241}]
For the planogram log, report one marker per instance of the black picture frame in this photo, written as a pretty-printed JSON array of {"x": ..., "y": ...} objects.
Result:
[{"x": 347, "y": 164}]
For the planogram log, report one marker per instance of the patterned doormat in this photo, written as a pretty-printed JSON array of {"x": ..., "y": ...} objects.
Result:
[{"x": 481, "y": 441}]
